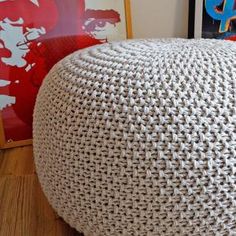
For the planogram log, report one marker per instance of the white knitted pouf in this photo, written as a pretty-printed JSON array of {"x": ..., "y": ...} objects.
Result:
[{"x": 138, "y": 138}]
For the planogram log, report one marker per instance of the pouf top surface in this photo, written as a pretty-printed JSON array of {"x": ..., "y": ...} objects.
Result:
[{"x": 138, "y": 138}]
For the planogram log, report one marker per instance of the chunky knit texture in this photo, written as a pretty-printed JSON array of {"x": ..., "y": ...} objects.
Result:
[{"x": 139, "y": 138}]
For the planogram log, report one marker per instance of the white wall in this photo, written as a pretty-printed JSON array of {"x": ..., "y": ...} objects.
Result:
[{"x": 159, "y": 18}]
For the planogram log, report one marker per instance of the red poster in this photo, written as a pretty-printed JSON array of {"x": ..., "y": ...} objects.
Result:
[{"x": 34, "y": 35}]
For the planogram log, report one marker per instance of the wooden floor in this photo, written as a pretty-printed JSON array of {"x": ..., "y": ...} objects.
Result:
[{"x": 24, "y": 210}]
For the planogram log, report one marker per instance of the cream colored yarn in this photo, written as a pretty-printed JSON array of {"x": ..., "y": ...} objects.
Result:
[{"x": 138, "y": 138}]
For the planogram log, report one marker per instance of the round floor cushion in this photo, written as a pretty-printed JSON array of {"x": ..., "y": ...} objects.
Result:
[{"x": 138, "y": 138}]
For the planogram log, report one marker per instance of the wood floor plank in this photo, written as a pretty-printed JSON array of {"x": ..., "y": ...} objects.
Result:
[
  {"x": 24, "y": 210},
  {"x": 17, "y": 161},
  {"x": 1, "y": 159}
]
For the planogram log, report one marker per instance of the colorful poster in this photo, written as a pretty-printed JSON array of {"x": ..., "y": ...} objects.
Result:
[
  {"x": 34, "y": 35},
  {"x": 219, "y": 19}
]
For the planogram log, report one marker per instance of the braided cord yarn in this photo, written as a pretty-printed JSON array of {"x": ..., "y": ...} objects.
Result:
[{"x": 138, "y": 138}]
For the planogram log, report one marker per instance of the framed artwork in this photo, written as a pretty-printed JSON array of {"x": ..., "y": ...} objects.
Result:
[
  {"x": 36, "y": 35},
  {"x": 212, "y": 19}
]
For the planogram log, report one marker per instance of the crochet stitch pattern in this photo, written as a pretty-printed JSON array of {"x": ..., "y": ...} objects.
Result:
[{"x": 138, "y": 138}]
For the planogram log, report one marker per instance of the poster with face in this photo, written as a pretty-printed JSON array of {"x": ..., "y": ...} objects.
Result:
[
  {"x": 36, "y": 35},
  {"x": 103, "y": 20}
]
